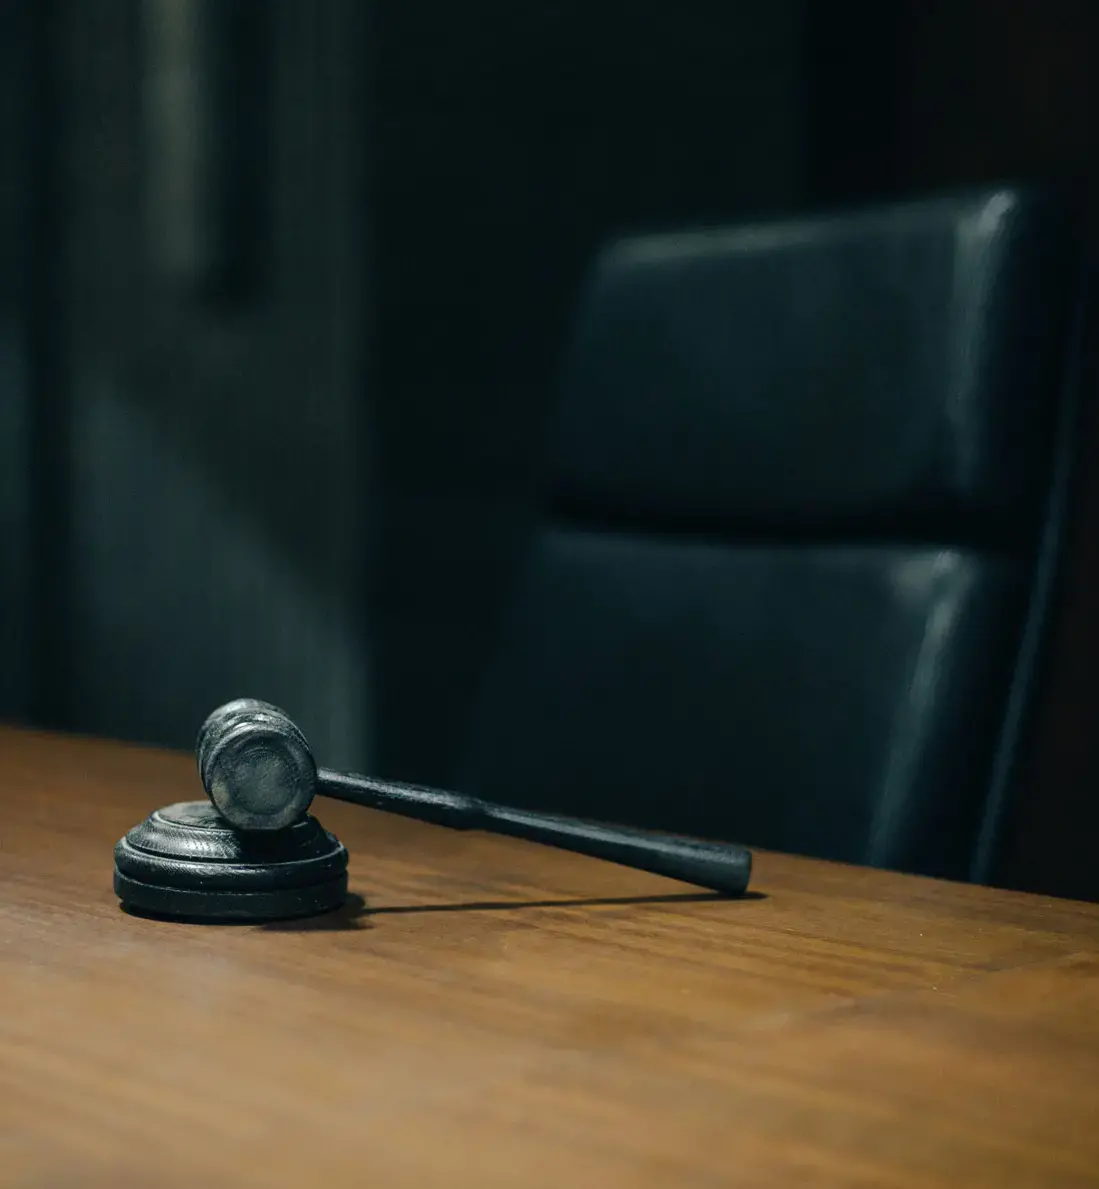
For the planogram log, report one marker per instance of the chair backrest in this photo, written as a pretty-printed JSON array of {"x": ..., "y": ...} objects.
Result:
[{"x": 806, "y": 490}]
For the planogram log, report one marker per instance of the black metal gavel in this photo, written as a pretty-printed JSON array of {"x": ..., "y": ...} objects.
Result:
[{"x": 259, "y": 772}]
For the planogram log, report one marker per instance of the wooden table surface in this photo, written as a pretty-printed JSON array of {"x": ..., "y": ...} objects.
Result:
[{"x": 492, "y": 1013}]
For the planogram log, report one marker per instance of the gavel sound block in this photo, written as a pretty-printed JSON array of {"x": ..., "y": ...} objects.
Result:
[{"x": 253, "y": 852}]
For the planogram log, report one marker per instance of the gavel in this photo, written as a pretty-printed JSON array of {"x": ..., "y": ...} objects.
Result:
[{"x": 254, "y": 852}]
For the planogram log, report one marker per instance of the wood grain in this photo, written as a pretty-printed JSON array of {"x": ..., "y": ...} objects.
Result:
[{"x": 490, "y": 1013}]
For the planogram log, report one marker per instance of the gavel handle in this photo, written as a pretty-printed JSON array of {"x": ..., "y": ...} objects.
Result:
[{"x": 719, "y": 867}]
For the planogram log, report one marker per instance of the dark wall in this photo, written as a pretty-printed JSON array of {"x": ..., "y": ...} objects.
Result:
[
  {"x": 185, "y": 502},
  {"x": 510, "y": 141},
  {"x": 19, "y": 43}
]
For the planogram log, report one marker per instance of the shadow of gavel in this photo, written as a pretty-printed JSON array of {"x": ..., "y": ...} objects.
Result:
[{"x": 254, "y": 851}]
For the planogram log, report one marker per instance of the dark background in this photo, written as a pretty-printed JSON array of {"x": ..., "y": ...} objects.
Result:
[{"x": 284, "y": 286}]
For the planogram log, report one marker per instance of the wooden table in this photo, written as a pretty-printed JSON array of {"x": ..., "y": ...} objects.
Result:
[{"x": 491, "y": 1013}]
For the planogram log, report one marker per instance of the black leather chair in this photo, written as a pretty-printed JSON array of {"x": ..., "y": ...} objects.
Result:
[{"x": 802, "y": 536}]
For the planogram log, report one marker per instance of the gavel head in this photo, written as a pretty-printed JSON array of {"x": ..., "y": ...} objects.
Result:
[{"x": 255, "y": 765}]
